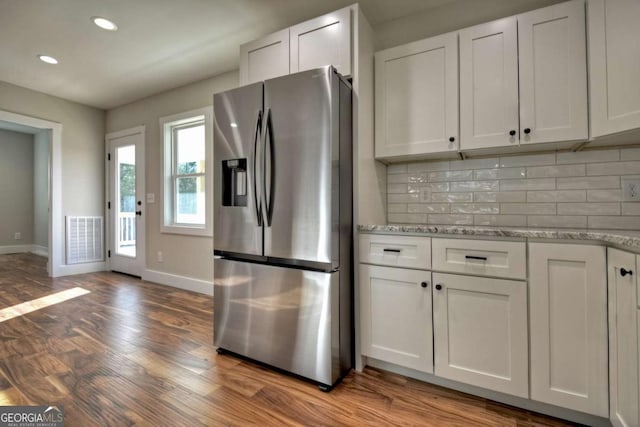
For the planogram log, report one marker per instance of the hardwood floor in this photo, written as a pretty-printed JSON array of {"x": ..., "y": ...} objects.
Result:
[{"x": 136, "y": 353}]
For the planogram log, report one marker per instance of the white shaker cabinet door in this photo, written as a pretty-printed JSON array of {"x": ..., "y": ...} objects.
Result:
[
  {"x": 325, "y": 40},
  {"x": 568, "y": 323},
  {"x": 480, "y": 332},
  {"x": 396, "y": 316},
  {"x": 489, "y": 85},
  {"x": 553, "y": 74},
  {"x": 417, "y": 98},
  {"x": 623, "y": 336},
  {"x": 265, "y": 58},
  {"x": 614, "y": 65}
]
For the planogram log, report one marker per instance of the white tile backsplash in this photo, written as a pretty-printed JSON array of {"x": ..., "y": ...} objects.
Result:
[{"x": 559, "y": 190}]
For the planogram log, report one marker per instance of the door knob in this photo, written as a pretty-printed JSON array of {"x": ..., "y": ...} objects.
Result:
[
  {"x": 452, "y": 138},
  {"x": 527, "y": 130},
  {"x": 512, "y": 132},
  {"x": 139, "y": 213},
  {"x": 424, "y": 284},
  {"x": 624, "y": 272},
  {"x": 438, "y": 286}
]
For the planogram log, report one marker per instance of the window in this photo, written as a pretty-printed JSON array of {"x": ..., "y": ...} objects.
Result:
[{"x": 186, "y": 178}]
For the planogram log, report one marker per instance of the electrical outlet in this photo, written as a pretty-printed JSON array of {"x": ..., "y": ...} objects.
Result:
[
  {"x": 160, "y": 257},
  {"x": 631, "y": 190},
  {"x": 425, "y": 195},
  {"x": 17, "y": 236},
  {"x": 151, "y": 198}
]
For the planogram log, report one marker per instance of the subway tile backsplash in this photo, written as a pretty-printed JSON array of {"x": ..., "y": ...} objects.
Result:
[{"x": 559, "y": 190}]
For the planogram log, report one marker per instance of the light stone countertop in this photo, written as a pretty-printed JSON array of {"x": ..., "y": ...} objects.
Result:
[{"x": 629, "y": 240}]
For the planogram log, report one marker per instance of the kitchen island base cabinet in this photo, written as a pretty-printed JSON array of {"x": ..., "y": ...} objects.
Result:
[
  {"x": 480, "y": 331},
  {"x": 396, "y": 316},
  {"x": 568, "y": 317},
  {"x": 623, "y": 344}
]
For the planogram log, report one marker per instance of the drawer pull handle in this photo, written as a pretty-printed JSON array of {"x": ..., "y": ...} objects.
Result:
[
  {"x": 397, "y": 251},
  {"x": 624, "y": 272},
  {"x": 481, "y": 258}
]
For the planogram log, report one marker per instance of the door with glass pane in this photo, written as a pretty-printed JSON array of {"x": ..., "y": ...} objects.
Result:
[{"x": 125, "y": 205}]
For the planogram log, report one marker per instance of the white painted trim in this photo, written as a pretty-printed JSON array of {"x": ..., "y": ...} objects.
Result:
[
  {"x": 40, "y": 250},
  {"x": 15, "y": 249},
  {"x": 56, "y": 220},
  {"x": 90, "y": 267},
  {"x": 181, "y": 282}
]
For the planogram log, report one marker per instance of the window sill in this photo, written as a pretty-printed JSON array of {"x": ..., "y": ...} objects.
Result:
[{"x": 186, "y": 230}]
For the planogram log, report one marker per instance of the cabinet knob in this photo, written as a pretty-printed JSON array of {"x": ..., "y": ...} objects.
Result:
[
  {"x": 424, "y": 284},
  {"x": 438, "y": 286},
  {"x": 512, "y": 132},
  {"x": 624, "y": 272},
  {"x": 527, "y": 130},
  {"x": 452, "y": 138}
]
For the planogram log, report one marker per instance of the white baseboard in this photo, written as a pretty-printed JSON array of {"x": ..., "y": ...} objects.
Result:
[
  {"x": 15, "y": 249},
  {"x": 181, "y": 282},
  {"x": 90, "y": 267},
  {"x": 40, "y": 250}
]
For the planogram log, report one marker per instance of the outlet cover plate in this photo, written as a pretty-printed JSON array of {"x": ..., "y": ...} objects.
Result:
[{"x": 631, "y": 189}]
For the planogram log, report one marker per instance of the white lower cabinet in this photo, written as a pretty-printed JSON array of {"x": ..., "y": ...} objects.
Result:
[
  {"x": 623, "y": 338},
  {"x": 568, "y": 317},
  {"x": 480, "y": 331},
  {"x": 395, "y": 315}
]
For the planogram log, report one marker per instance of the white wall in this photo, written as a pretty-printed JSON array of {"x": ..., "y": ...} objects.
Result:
[
  {"x": 82, "y": 146},
  {"x": 41, "y": 189},
  {"x": 16, "y": 187},
  {"x": 187, "y": 256}
]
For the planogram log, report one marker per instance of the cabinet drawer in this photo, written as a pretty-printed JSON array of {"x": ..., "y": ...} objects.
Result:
[
  {"x": 397, "y": 251},
  {"x": 480, "y": 257}
]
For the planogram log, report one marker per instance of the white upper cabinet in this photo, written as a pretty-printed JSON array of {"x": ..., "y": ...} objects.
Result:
[
  {"x": 623, "y": 344},
  {"x": 265, "y": 58},
  {"x": 416, "y": 89},
  {"x": 489, "y": 85},
  {"x": 614, "y": 65},
  {"x": 568, "y": 326},
  {"x": 553, "y": 74},
  {"x": 325, "y": 40},
  {"x": 523, "y": 79}
]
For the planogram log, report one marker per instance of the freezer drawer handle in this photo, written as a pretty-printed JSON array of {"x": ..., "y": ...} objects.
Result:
[
  {"x": 397, "y": 251},
  {"x": 481, "y": 258},
  {"x": 256, "y": 138}
]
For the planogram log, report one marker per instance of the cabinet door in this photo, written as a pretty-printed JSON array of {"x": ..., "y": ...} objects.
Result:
[
  {"x": 480, "y": 332},
  {"x": 623, "y": 344},
  {"x": 325, "y": 40},
  {"x": 614, "y": 65},
  {"x": 553, "y": 74},
  {"x": 396, "y": 316},
  {"x": 568, "y": 316},
  {"x": 417, "y": 98},
  {"x": 265, "y": 58},
  {"x": 489, "y": 85}
]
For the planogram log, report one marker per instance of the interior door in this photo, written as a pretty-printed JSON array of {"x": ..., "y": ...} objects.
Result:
[{"x": 125, "y": 205}]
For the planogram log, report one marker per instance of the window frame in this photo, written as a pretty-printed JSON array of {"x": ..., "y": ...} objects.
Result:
[{"x": 169, "y": 126}]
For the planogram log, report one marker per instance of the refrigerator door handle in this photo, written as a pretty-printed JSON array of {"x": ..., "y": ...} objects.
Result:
[
  {"x": 267, "y": 168},
  {"x": 256, "y": 199}
]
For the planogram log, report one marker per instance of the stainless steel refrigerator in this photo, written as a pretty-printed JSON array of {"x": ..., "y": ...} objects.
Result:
[{"x": 283, "y": 224}]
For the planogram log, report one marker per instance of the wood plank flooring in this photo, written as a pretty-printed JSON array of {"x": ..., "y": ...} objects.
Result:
[{"x": 136, "y": 353}]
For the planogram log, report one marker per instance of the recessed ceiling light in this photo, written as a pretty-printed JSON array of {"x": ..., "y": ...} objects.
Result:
[
  {"x": 48, "y": 59},
  {"x": 104, "y": 23}
]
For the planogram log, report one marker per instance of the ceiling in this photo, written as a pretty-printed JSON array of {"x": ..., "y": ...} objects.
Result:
[{"x": 160, "y": 44}]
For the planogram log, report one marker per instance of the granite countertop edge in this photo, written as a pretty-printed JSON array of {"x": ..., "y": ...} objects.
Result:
[{"x": 627, "y": 239}]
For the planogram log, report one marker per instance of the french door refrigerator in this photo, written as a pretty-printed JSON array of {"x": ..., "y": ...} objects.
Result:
[{"x": 283, "y": 224}]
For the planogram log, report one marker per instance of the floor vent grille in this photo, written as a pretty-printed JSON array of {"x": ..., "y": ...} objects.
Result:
[{"x": 84, "y": 239}]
